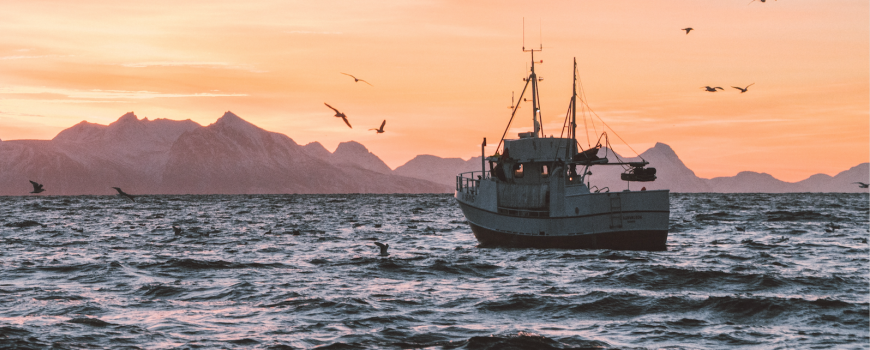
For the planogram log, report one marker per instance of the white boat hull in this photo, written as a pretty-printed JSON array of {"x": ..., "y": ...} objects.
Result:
[{"x": 640, "y": 224}]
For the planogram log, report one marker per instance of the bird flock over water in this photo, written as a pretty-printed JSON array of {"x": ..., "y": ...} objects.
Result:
[
  {"x": 178, "y": 231},
  {"x": 717, "y": 88},
  {"x": 343, "y": 116}
]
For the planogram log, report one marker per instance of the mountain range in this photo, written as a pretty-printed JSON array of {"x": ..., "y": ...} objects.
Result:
[
  {"x": 233, "y": 156},
  {"x": 674, "y": 175}
]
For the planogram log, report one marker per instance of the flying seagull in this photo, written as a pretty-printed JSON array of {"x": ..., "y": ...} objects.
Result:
[
  {"x": 357, "y": 80},
  {"x": 381, "y": 130},
  {"x": 742, "y": 90},
  {"x": 383, "y": 247},
  {"x": 860, "y": 184},
  {"x": 712, "y": 89},
  {"x": 688, "y": 29},
  {"x": 36, "y": 187},
  {"x": 122, "y": 193},
  {"x": 339, "y": 115}
]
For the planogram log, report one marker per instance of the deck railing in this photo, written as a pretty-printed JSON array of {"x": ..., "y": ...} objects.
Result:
[{"x": 470, "y": 182}]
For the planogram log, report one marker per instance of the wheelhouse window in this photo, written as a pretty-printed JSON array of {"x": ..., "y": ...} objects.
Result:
[{"x": 518, "y": 171}]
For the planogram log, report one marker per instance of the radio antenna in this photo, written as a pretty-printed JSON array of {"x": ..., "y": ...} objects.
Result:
[
  {"x": 524, "y": 34},
  {"x": 537, "y": 118}
]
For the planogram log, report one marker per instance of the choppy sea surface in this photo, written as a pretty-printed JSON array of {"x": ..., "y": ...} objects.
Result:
[{"x": 302, "y": 271}]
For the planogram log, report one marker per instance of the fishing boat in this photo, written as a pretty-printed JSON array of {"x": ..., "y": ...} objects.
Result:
[{"x": 536, "y": 192}]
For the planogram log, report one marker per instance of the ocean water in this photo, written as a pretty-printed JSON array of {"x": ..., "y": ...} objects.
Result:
[{"x": 301, "y": 271}]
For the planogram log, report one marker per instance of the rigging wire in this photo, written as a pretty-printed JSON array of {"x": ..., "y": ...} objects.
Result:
[
  {"x": 584, "y": 107},
  {"x": 513, "y": 113},
  {"x": 564, "y": 126},
  {"x": 565, "y": 123},
  {"x": 539, "y": 116},
  {"x": 583, "y": 111},
  {"x": 614, "y": 131}
]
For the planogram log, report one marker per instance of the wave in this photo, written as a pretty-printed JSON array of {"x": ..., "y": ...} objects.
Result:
[
  {"x": 798, "y": 215},
  {"x": 516, "y": 302},
  {"x": 93, "y": 322},
  {"x": 524, "y": 340},
  {"x": 718, "y": 216},
  {"x": 160, "y": 290},
  {"x": 195, "y": 264},
  {"x": 23, "y": 224},
  {"x": 466, "y": 269}
]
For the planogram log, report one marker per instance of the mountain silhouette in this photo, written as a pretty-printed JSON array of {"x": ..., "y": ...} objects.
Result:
[
  {"x": 233, "y": 156},
  {"x": 349, "y": 153},
  {"x": 671, "y": 174},
  {"x": 437, "y": 169},
  {"x": 230, "y": 156}
]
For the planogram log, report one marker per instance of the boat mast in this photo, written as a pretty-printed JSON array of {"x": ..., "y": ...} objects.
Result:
[
  {"x": 537, "y": 120},
  {"x": 574, "y": 108}
]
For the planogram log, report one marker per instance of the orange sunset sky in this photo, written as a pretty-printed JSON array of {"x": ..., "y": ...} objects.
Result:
[{"x": 443, "y": 72}]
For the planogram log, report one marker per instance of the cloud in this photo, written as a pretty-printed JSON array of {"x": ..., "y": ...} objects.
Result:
[
  {"x": 21, "y": 114},
  {"x": 97, "y": 94},
  {"x": 22, "y": 57},
  {"x": 720, "y": 121},
  {"x": 209, "y": 65},
  {"x": 312, "y": 32}
]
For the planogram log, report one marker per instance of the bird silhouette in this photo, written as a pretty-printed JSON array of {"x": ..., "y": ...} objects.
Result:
[
  {"x": 356, "y": 80},
  {"x": 383, "y": 247},
  {"x": 37, "y": 188},
  {"x": 712, "y": 89},
  {"x": 381, "y": 130},
  {"x": 178, "y": 230},
  {"x": 860, "y": 185},
  {"x": 688, "y": 29},
  {"x": 742, "y": 90},
  {"x": 339, "y": 115},
  {"x": 124, "y": 194}
]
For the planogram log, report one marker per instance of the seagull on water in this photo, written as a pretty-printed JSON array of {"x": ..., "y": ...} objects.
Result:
[
  {"x": 860, "y": 184},
  {"x": 381, "y": 130},
  {"x": 124, "y": 194},
  {"x": 339, "y": 115},
  {"x": 688, "y": 29},
  {"x": 178, "y": 230},
  {"x": 37, "y": 188},
  {"x": 742, "y": 90},
  {"x": 357, "y": 80},
  {"x": 712, "y": 89},
  {"x": 383, "y": 247}
]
